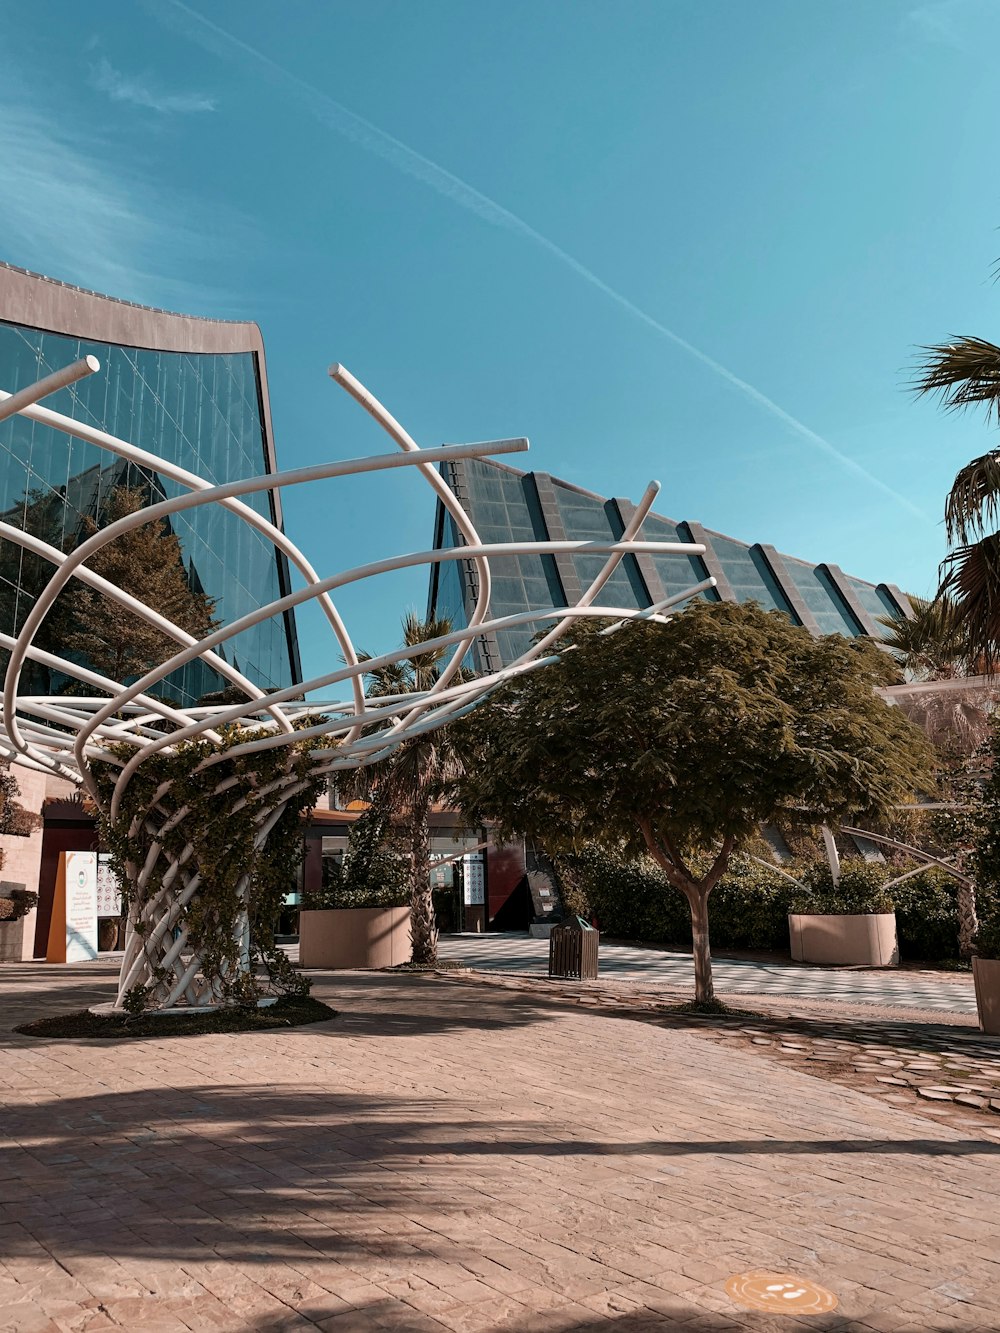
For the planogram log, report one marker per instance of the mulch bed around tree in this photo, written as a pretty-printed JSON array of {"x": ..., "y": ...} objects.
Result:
[{"x": 289, "y": 1011}]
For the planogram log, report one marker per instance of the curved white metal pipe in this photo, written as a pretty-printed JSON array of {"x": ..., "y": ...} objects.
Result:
[{"x": 11, "y": 404}]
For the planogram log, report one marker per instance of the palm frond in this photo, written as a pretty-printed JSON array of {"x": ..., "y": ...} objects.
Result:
[
  {"x": 933, "y": 644},
  {"x": 974, "y": 498},
  {"x": 963, "y": 372},
  {"x": 971, "y": 578},
  {"x": 423, "y": 666}
]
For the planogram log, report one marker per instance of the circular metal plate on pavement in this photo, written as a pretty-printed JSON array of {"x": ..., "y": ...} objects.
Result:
[{"x": 780, "y": 1293}]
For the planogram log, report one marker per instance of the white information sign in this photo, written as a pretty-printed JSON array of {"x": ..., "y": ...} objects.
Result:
[
  {"x": 81, "y": 906},
  {"x": 474, "y": 878},
  {"x": 109, "y": 894}
]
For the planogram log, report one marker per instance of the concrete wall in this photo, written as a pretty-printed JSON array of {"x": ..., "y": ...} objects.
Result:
[{"x": 22, "y": 856}]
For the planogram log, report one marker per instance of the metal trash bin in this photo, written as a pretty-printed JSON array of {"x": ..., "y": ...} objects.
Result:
[{"x": 573, "y": 950}]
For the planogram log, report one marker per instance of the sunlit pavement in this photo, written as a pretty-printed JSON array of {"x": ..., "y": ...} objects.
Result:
[
  {"x": 452, "y": 1154},
  {"x": 931, "y": 991}
]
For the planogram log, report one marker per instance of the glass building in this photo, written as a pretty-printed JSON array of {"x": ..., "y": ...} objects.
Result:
[
  {"x": 506, "y": 505},
  {"x": 191, "y": 390}
]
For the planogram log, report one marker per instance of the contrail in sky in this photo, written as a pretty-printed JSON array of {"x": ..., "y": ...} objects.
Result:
[{"x": 407, "y": 160}]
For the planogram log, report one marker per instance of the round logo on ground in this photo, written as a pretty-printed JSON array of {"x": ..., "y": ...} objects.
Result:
[{"x": 780, "y": 1293}]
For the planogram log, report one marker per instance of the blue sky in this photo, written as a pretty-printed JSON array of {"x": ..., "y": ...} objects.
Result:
[{"x": 697, "y": 240}]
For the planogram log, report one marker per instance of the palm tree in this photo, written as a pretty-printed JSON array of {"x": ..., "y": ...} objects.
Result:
[
  {"x": 966, "y": 372},
  {"x": 404, "y": 784},
  {"x": 933, "y": 645}
]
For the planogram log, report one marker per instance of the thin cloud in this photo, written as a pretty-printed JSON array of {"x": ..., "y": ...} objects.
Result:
[
  {"x": 138, "y": 91},
  {"x": 410, "y": 162},
  {"x": 952, "y": 23},
  {"x": 69, "y": 214}
]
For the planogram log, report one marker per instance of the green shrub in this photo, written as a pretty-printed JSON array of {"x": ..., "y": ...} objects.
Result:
[
  {"x": 372, "y": 875},
  {"x": 859, "y": 890},
  {"x": 632, "y": 899},
  {"x": 927, "y": 915}
]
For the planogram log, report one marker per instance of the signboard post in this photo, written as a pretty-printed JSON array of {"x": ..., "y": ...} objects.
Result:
[
  {"x": 109, "y": 892},
  {"x": 73, "y": 928},
  {"x": 474, "y": 896}
]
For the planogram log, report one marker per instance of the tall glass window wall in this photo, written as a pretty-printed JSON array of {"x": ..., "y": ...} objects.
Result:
[
  {"x": 504, "y": 506},
  {"x": 201, "y": 412}
]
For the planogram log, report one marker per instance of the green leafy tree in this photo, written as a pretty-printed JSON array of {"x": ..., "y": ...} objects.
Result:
[
  {"x": 403, "y": 786},
  {"x": 680, "y": 739},
  {"x": 147, "y": 562}
]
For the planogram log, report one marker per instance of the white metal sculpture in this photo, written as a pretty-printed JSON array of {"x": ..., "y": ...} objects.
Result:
[{"x": 67, "y": 734}]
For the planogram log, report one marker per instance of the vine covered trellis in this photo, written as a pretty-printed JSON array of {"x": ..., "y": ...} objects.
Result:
[{"x": 201, "y": 806}]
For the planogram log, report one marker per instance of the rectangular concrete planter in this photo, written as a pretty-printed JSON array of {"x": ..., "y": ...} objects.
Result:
[
  {"x": 356, "y": 937},
  {"x": 867, "y": 940},
  {"x": 986, "y": 974},
  {"x": 11, "y": 940}
]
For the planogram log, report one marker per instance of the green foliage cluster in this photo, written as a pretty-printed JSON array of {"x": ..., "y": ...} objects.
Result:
[
  {"x": 681, "y": 739},
  {"x": 632, "y": 899},
  {"x": 373, "y": 873},
  {"x": 14, "y": 818},
  {"x": 859, "y": 889},
  {"x": 985, "y": 857},
  {"x": 199, "y": 793},
  {"x": 16, "y": 904},
  {"x": 672, "y": 738}
]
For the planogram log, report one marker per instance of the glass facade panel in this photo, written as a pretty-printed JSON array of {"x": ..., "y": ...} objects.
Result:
[
  {"x": 201, "y": 412},
  {"x": 750, "y": 578},
  {"x": 677, "y": 572},
  {"x": 876, "y": 602},
  {"x": 586, "y": 519},
  {"x": 503, "y": 504},
  {"x": 822, "y": 599},
  {"x": 504, "y": 508}
]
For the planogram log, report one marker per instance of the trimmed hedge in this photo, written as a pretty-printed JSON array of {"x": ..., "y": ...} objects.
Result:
[{"x": 748, "y": 909}]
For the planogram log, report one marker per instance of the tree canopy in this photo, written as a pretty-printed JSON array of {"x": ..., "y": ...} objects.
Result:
[{"x": 682, "y": 738}]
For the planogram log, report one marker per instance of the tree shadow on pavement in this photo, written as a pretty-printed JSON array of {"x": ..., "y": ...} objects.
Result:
[
  {"x": 367, "y": 1004},
  {"x": 264, "y": 1174}
]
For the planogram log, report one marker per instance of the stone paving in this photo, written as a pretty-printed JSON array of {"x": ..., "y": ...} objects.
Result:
[
  {"x": 456, "y": 1154},
  {"x": 924, "y": 990},
  {"x": 949, "y": 1072}
]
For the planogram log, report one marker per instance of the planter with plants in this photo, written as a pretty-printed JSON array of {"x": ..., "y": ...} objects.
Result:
[
  {"x": 360, "y": 918},
  {"x": 851, "y": 923},
  {"x": 986, "y": 973},
  {"x": 15, "y": 904}
]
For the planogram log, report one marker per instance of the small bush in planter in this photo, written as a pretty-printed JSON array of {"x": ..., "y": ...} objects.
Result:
[
  {"x": 859, "y": 892},
  {"x": 372, "y": 875},
  {"x": 16, "y": 904}
]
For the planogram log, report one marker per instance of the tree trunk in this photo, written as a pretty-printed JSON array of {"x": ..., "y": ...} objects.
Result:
[
  {"x": 704, "y": 988},
  {"x": 423, "y": 929},
  {"x": 968, "y": 923}
]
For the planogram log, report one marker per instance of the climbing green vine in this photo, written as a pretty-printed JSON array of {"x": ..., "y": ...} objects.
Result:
[{"x": 232, "y": 821}]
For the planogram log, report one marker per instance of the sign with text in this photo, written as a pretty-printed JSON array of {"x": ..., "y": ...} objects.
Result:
[
  {"x": 81, "y": 905},
  {"x": 474, "y": 879},
  {"x": 109, "y": 893}
]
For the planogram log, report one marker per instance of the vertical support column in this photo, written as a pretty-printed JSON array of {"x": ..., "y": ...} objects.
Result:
[
  {"x": 650, "y": 575},
  {"x": 899, "y": 599},
  {"x": 710, "y": 560},
  {"x": 850, "y": 599},
  {"x": 789, "y": 591},
  {"x": 565, "y": 568}
]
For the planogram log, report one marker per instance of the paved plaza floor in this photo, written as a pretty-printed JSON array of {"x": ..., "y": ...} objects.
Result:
[
  {"x": 923, "y": 990},
  {"x": 458, "y": 1154}
]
